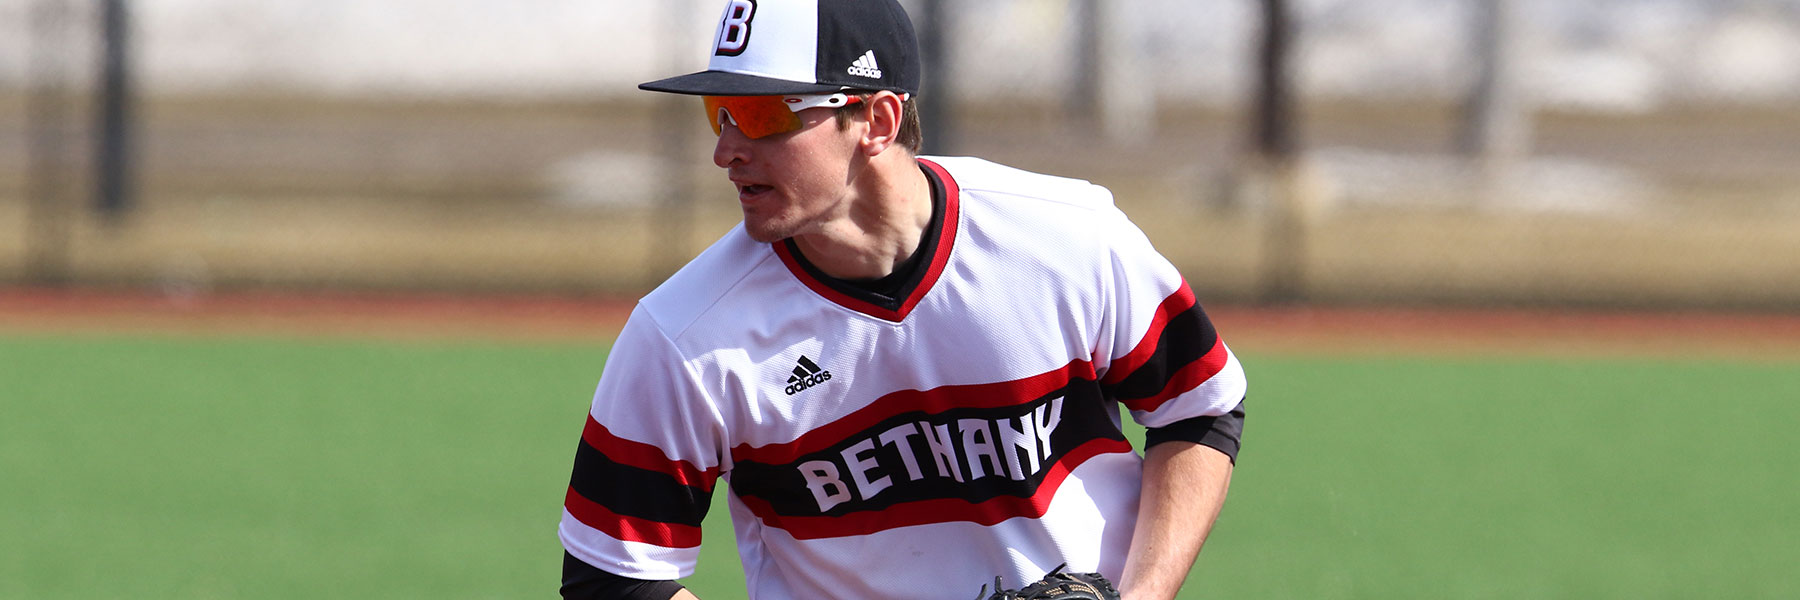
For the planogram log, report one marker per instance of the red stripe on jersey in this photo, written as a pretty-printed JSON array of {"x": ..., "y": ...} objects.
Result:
[
  {"x": 936, "y": 400},
  {"x": 946, "y": 237},
  {"x": 946, "y": 240},
  {"x": 1188, "y": 378},
  {"x": 630, "y": 529},
  {"x": 825, "y": 291},
  {"x": 1175, "y": 304},
  {"x": 943, "y": 510},
  {"x": 645, "y": 456}
]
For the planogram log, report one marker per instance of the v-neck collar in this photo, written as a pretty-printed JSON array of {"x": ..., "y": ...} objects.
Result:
[{"x": 936, "y": 244}]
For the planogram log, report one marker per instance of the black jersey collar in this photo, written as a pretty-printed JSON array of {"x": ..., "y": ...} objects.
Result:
[{"x": 939, "y": 237}]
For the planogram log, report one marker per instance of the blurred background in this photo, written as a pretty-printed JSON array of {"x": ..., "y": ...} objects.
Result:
[
  {"x": 298, "y": 295},
  {"x": 1610, "y": 153}
]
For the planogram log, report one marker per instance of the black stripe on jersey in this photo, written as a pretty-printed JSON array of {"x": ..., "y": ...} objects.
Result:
[
  {"x": 969, "y": 454},
  {"x": 1187, "y": 337},
  {"x": 1223, "y": 433},
  {"x": 633, "y": 492}
]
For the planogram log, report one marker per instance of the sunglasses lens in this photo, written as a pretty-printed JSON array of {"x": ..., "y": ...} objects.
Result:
[{"x": 756, "y": 116}]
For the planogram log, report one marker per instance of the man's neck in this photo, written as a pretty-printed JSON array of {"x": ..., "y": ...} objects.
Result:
[{"x": 882, "y": 226}]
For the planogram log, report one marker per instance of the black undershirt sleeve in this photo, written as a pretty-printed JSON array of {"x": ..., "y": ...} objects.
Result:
[
  {"x": 582, "y": 581},
  {"x": 1220, "y": 433}
]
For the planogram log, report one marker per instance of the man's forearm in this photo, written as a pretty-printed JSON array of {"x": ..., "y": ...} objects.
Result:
[{"x": 1184, "y": 488}]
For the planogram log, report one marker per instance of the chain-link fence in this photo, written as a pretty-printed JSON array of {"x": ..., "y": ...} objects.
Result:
[{"x": 1621, "y": 152}]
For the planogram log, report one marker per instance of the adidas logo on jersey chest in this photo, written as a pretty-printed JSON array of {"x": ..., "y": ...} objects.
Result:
[{"x": 806, "y": 374}]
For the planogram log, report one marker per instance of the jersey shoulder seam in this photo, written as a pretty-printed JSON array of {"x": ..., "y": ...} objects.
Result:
[{"x": 674, "y": 320}]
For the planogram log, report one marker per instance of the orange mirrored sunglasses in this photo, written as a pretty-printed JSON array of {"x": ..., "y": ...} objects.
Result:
[{"x": 763, "y": 116}]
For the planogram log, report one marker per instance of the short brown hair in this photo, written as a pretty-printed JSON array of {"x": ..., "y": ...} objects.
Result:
[{"x": 912, "y": 133}]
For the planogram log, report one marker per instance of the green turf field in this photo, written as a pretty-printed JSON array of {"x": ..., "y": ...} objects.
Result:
[{"x": 261, "y": 468}]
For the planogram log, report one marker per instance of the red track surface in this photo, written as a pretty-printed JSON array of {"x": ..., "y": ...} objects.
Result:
[{"x": 1305, "y": 329}]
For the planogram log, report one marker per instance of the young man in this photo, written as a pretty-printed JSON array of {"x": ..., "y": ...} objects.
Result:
[{"x": 908, "y": 370}]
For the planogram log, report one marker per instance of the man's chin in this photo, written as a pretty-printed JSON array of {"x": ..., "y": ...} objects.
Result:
[
  {"x": 766, "y": 239},
  {"x": 764, "y": 234}
]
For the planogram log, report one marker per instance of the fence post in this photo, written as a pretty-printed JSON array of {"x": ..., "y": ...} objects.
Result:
[
  {"x": 113, "y": 154},
  {"x": 1496, "y": 129},
  {"x": 48, "y": 219},
  {"x": 937, "y": 99},
  {"x": 1276, "y": 166},
  {"x": 674, "y": 214},
  {"x": 1111, "y": 96}
]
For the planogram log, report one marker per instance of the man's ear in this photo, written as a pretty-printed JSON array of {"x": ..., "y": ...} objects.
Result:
[{"x": 884, "y": 110}]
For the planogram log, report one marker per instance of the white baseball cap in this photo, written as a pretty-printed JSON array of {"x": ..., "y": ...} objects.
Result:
[{"x": 782, "y": 47}]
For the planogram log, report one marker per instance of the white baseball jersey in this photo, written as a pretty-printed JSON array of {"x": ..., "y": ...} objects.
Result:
[{"x": 914, "y": 448}]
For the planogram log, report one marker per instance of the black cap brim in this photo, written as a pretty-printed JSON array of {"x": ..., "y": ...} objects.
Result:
[{"x": 720, "y": 83}]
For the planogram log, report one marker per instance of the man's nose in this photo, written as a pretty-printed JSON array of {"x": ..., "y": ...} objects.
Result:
[{"x": 733, "y": 147}]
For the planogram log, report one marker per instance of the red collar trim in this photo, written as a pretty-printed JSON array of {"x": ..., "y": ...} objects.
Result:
[{"x": 939, "y": 258}]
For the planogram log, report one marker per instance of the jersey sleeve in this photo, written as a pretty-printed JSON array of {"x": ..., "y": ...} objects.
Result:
[
  {"x": 645, "y": 467},
  {"x": 1163, "y": 359}
]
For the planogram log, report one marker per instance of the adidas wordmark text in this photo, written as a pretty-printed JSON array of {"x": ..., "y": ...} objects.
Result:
[
  {"x": 866, "y": 66},
  {"x": 806, "y": 374}
]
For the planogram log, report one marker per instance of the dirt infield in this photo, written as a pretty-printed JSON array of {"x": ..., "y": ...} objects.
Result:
[{"x": 1333, "y": 330}]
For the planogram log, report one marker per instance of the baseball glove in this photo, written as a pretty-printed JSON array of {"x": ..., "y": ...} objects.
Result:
[{"x": 1057, "y": 585}]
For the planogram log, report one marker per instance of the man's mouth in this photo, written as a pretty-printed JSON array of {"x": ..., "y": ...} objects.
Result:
[{"x": 751, "y": 190}]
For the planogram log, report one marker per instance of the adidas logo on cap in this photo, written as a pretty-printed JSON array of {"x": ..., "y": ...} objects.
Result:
[
  {"x": 794, "y": 47},
  {"x": 866, "y": 67}
]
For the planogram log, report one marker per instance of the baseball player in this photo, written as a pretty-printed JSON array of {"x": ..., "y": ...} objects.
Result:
[{"x": 905, "y": 373}]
